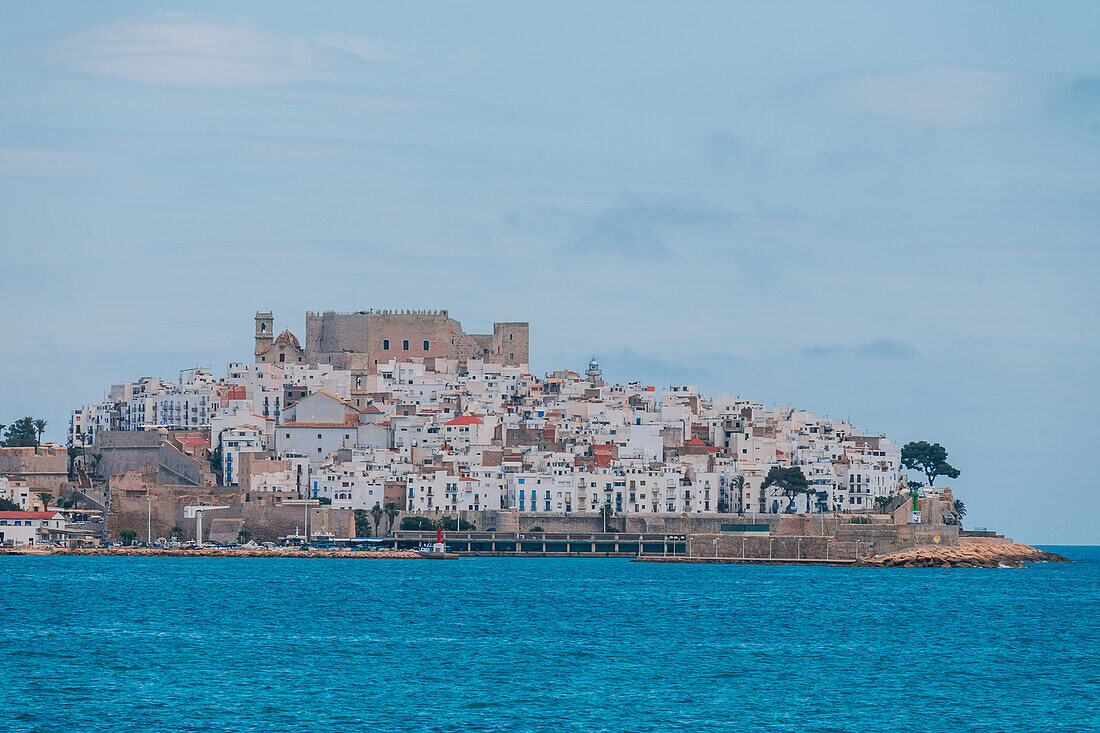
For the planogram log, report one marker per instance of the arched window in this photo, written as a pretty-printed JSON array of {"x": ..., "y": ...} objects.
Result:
[
  {"x": 426, "y": 344},
  {"x": 385, "y": 344},
  {"x": 405, "y": 345}
]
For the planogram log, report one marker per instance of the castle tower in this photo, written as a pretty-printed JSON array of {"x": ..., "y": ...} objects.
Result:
[
  {"x": 265, "y": 324},
  {"x": 594, "y": 375}
]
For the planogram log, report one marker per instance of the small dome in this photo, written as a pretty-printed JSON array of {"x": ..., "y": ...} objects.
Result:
[{"x": 593, "y": 363}]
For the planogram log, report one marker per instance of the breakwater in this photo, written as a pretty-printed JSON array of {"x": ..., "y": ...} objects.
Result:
[{"x": 965, "y": 555}]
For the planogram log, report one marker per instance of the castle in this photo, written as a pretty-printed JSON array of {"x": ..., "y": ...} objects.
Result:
[{"x": 361, "y": 340}]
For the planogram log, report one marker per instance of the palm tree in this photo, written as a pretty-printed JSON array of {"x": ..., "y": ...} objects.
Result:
[
  {"x": 73, "y": 452},
  {"x": 959, "y": 508},
  {"x": 96, "y": 458},
  {"x": 39, "y": 427},
  {"x": 376, "y": 514},
  {"x": 737, "y": 483},
  {"x": 176, "y": 530},
  {"x": 45, "y": 497},
  {"x": 391, "y": 513}
]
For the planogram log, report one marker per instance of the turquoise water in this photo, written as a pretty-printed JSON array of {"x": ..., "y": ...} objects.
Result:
[{"x": 500, "y": 644}]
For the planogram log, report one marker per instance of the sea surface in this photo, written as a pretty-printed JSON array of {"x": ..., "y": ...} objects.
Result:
[{"x": 512, "y": 644}]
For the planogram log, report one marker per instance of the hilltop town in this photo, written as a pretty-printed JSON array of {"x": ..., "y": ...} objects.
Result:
[{"x": 391, "y": 420}]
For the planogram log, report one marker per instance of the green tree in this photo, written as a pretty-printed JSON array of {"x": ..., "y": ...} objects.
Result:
[
  {"x": 376, "y": 513},
  {"x": 535, "y": 528},
  {"x": 391, "y": 513},
  {"x": 413, "y": 524},
  {"x": 362, "y": 523},
  {"x": 737, "y": 483},
  {"x": 46, "y": 498},
  {"x": 127, "y": 535},
  {"x": 915, "y": 485},
  {"x": 606, "y": 512},
  {"x": 39, "y": 428},
  {"x": 176, "y": 530},
  {"x": 96, "y": 458},
  {"x": 324, "y": 500},
  {"x": 21, "y": 434},
  {"x": 215, "y": 458},
  {"x": 958, "y": 508},
  {"x": 451, "y": 524},
  {"x": 244, "y": 536},
  {"x": 928, "y": 458},
  {"x": 882, "y": 501},
  {"x": 791, "y": 481},
  {"x": 74, "y": 453},
  {"x": 7, "y": 505}
]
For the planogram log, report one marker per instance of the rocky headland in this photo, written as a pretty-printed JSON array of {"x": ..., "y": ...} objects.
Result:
[{"x": 965, "y": 555}]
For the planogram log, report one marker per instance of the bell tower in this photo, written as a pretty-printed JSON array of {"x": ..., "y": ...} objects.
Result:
[{"x": 265, "y": 324}]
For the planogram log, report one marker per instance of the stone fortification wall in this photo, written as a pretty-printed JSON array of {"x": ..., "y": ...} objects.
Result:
[
  {"x": 130, "y": 510},
  {"x": 43, "y": 468},
  {"x": 125, "y": 450},
  {"x": 358, "y": 340}
]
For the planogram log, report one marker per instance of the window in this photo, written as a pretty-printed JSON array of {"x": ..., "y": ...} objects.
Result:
[
  {"x": 405, "y": 345},
  {"x": 385, "y": 344},
  {"x": 282, "y": 357},
  {"x": 426, "y": 344}
]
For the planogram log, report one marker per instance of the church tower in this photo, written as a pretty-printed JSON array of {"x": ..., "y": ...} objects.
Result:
[{"x": 265, "y": 323}]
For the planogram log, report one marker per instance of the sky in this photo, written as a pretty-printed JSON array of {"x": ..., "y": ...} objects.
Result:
[{"x": 878, "y": 211}]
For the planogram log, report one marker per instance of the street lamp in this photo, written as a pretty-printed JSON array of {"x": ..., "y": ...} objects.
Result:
[
  {"x": 715, "y": 548},
  {"x": 307, "y": 503}
]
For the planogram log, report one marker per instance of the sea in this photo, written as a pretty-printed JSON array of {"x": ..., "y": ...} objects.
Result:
[{"x": 548, "y": 644}]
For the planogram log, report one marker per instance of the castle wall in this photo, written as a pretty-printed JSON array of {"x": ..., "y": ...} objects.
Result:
[{"x": 360, "y": 340}]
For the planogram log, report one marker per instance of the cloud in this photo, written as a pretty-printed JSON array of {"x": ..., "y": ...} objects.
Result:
[
  {"x": 941, "y": 95},
  {"x": 721, "y": 147},
  {"x": 1080, "y": 96},
  {"x": 885, "y": 349},
  {"x": 638, "y": 228},
  {"x": 184, "y": 49},
  {"x": 627, "y": 365},
  {"x": 17, "y": 161}
]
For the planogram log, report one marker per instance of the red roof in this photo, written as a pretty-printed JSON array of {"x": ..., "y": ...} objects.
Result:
[
  {"x": 466, "y": 420},
  {"x": 696, "y": 441},
  {"x": 193, "y": 440},
  {"x": 650, "y": 389},
  {"x": 467, "y": 479},
  {"x": 372, "y": 410},
  {"x": 29, "y": 515}
]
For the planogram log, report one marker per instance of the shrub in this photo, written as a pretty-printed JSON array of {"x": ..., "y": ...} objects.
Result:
[
  {"x": 451, "y": 524},
  {"x": 417, "y": 523}
]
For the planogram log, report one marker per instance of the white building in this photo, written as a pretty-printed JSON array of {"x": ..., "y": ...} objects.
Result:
[{"x": 18, "y": 529}]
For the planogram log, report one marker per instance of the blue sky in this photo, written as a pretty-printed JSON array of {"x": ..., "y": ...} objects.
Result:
[{"x": 882, "y": 211}]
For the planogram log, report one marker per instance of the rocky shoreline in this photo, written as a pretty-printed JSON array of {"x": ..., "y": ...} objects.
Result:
[{"x": 967, "y": 555}]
